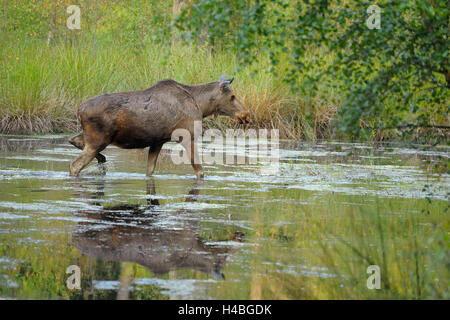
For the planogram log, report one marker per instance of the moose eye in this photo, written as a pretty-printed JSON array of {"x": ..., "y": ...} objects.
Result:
[{"x": 232, "y": 98}]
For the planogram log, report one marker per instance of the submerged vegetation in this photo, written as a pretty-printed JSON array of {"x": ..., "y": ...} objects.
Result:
[
  {"x": 309, "y": 233},
  {"x": 295, "y": 66},
  {"x": 306, "y": 257}
]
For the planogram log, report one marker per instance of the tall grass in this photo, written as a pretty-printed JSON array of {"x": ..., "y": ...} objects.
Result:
[
  {"x": 412, "y": 255},
  {"x": 41, "y": 86}
]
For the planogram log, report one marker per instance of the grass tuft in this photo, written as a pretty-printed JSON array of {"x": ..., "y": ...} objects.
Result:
[{"x": 41, "y": 86}]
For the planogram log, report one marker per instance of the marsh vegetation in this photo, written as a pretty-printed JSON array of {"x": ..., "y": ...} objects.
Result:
[{"x": 309, "y": 232}]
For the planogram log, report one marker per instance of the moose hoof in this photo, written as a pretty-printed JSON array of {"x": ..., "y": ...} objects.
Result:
[
  {"x": 72, "y": 172},
  {"x": 200, "y": 175},
  {"x": 100, "y": 158},
  {"x": 102, "y": 168}
]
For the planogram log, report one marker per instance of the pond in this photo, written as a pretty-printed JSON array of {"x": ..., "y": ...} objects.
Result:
[{"x": 310, "y": 230}]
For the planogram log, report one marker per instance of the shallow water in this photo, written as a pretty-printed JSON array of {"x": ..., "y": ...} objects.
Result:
[{"x": 244, "y": 232}]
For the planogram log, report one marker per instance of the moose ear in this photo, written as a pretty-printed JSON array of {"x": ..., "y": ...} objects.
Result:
[{"x": 224, "y": 83}]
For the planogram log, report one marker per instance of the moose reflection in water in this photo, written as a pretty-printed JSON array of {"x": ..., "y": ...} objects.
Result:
[{"x": 141, "y": 234}]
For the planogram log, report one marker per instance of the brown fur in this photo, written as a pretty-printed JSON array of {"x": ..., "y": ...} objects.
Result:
[{"x": 147, "y": 118}]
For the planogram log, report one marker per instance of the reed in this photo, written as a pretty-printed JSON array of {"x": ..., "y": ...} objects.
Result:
[{"x": 41, "y": 86}]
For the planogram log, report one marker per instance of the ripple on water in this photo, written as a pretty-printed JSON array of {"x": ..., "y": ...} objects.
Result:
[
  {"x": 182, "y": 288},
  {"x": 230, "y": 200}
]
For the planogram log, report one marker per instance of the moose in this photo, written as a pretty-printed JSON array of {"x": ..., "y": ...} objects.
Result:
[{"x": 147, "y": 118}]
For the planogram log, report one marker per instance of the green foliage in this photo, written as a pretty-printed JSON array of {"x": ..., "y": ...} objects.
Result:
[
  {"x": 341, "y": 74},
  {"x": 390, "y": 77}
]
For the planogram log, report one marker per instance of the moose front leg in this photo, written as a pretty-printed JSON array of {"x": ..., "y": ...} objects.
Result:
[
  {"x": 153, "y": 153},
  {"x": 151, "y": 201},
  {"x": 191, "y": 148}
]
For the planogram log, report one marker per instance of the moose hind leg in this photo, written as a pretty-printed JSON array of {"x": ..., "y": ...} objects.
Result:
[
  {"x": 78, "y": 141},
  {"x": 153, "y": 153}
]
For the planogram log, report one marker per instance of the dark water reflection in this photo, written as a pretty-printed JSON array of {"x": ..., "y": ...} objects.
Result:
[
  {"x": 307, "y": 232},
  {"x": 136, "y": 233}
]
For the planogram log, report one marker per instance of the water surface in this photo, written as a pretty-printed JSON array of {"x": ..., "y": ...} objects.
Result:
[{"x": 307, "y": 231}]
